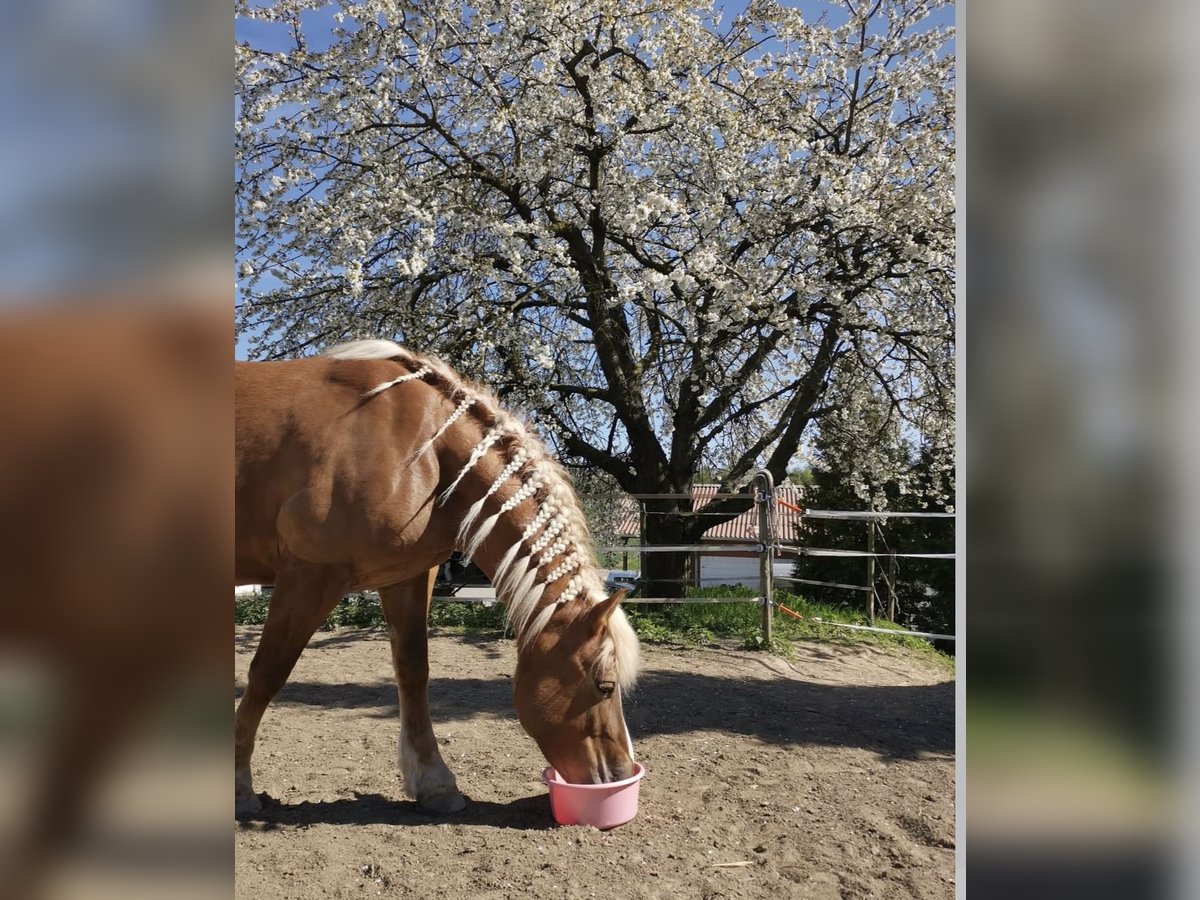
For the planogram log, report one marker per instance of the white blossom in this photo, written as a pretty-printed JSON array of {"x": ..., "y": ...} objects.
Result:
[{"x": 500, "y": 181}]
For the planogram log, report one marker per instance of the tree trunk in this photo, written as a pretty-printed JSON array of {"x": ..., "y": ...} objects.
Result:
[{"x": 666, "y": 574}]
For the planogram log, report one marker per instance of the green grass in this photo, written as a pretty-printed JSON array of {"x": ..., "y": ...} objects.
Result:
[
  {"x": 249, "y": 609},
  {"x": 700, "y": 624},
  {"x": 354, "y": 611},
  {"x": 466, "y": 616},
  {"x": 687, "y": 624},
  {"x": 363, "y": 611}
]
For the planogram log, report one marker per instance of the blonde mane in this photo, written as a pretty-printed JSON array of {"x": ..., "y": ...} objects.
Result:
[{"x": 555, "y": 543}]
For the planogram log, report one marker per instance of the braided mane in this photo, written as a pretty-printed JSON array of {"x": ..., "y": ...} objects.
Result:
[{"x": 554, "y": 544}]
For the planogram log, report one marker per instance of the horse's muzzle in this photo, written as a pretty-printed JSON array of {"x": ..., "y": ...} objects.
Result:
[{"x": 608, "y": 771}]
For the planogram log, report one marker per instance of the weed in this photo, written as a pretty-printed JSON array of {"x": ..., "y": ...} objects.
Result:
[{"x": 249, "y": 609}]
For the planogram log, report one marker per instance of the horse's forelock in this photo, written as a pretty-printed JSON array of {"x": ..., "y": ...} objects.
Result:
[
  {"x": 622, "y": 643},
  {"x": 619, "y": 653}
]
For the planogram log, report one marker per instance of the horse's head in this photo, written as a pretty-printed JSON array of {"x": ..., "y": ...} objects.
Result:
[{"x": 567, "y": 691}]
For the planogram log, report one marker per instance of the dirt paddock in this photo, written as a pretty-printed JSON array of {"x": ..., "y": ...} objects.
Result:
[{"x": 830, "y": 775}]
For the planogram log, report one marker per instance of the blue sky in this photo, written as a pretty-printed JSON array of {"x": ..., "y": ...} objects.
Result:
[{"x": 271, "y": 36}]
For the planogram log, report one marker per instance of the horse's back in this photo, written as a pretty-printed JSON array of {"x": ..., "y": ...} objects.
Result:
[{"x": 322, "y": 474}]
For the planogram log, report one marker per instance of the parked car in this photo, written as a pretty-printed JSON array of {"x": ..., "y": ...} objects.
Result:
[
  {"x": 456, "y": 573},
  {"x": 622, "y": 579}
]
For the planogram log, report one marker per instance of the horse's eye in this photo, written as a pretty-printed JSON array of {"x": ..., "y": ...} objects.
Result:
[{"x": 606, "y": 687}]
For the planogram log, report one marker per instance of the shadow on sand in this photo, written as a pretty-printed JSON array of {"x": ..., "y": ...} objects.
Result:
[
  {"x": 897, "y": 722},
  {"x": 526, "y": 813}
]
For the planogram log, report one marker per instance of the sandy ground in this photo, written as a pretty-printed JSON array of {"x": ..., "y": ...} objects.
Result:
[{"x": 827, "y": 776}]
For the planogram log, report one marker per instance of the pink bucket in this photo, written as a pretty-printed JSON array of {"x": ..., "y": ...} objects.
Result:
[{"x": 598, "y": 805}]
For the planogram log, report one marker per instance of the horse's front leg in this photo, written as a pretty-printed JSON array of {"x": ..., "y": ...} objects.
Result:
[
  {"x": 427, "y": 779},
  {"x": 304, "y": 596}
]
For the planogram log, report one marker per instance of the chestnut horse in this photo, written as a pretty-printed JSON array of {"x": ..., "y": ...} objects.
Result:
[
  {"x": 115, "y": 546},
  {"x": 364, "y": 469}
]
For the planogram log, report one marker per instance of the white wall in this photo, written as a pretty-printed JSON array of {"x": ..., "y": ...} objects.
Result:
[{"x": 736, "y": 570}]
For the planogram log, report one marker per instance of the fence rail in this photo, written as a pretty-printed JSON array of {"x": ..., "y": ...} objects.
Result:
[
  {"x": 676, "y": 548},
  {"x": 764, "y": 500},
  {"x": 863, "y": 515},
  {"x": 817, "y": 551},
  {"x": 491, "y": 601},
  {"x": 836, "y": 584}
]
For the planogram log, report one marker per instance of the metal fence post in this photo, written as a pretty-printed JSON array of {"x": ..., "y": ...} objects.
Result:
[
  {"x": 891, "y": 582},
  {"x": 765, "y": 501},
  {"x": 871, "y": 571}
]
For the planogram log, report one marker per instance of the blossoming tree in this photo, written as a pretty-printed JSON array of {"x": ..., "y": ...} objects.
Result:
[{"x": 677, "y": 241}]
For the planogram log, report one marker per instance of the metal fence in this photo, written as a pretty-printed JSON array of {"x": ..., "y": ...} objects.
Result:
[{"x": 769, "y": 548}]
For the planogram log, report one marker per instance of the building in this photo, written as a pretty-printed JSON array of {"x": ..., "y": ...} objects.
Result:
[{"x": 728, "y": 566}]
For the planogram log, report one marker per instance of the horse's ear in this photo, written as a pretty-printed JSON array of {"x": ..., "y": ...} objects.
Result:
[{"x": 602, "y": 610}]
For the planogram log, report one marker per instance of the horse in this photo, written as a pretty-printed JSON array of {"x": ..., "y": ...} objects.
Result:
[
  {"x": 365, "y": 468},
  {"x": 116, "y": 544}
]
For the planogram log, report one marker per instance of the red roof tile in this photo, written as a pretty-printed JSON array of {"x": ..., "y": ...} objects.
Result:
[{"x": 741, "y": 528}]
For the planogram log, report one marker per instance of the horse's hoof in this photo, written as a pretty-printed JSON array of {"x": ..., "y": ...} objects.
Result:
[
  {"x": 246, "y": 805},
  {"x": 443, "y": 803}
]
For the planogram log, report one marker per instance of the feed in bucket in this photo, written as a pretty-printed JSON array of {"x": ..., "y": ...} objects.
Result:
[{"x": 598, "y": 805}]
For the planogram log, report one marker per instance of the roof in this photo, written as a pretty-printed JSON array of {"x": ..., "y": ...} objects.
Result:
[{"x": 742, "y": 528}]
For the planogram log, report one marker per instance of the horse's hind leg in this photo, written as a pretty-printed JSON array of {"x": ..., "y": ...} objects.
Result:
[
  {"x": 302, "y": 599},
  {"x": 427, "y": 779}
]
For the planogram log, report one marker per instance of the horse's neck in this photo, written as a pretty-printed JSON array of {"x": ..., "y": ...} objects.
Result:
[
  {"x": 487, "y": 556},
  {"x": 532, "y": 562}
]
